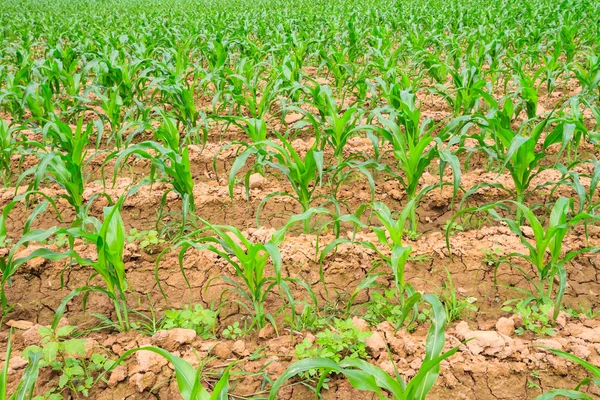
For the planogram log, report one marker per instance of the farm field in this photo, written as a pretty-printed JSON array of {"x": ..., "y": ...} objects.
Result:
[{"x": 286, "y": 200}]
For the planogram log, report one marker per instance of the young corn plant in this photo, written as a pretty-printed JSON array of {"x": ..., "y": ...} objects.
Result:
[
  {"x": 545, "y": 253},
  {"x": 585, "y": 193},
  {"x": 333, "y": 126},
  {"x": 289, "y": 73},
  {"x": 10, "y": 144},
  {"x": 109, "y": 239},
  {"x": 390, "y": 236},
  {"x": 569, "y": 130},
  {"x": 338, "y": 65},
  {"x": 254, "y": 128},
  {"x": 14, "y": 82},
  {"x": 24, "y": 389},
  {"x": 249, "y": 94},
  {"x": 365, "y": 376},
  {"x": 436, "y": 67},
  {"x": 496, "y": 123},
  {"x": 468, "y": 83},
  {"x": 65, "y": 166},
  {"x": 112, "y": 113},
  {"x": 527, "y": 91},
  {"x": 517, "y": 153},
  {"x": 304, "y": 174},
  {"x": 415, "y": 147},
  {"x": 170, "y": 159},
  {"x": 189, "y": 379},
  {"x": 588, "y": 75},
  {"x": 130, "y": 78},
  {"x": 249, "y": 261},
  {"x": 575, "y": 393},
  {"x": 39, "y": 100},
  {"x": 181, "y": 96}
]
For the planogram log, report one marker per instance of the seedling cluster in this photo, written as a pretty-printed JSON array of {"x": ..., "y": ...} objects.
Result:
[{"x": 356, "y": 118}]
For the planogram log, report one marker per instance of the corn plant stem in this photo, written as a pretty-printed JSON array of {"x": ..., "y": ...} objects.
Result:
[
  {"x": 306, "y": 226},
  {"x": 548, "y": 285},
  {"x": 413, "y": 220},
  {"x": 81, "y": 215},
  {"x": 4, "y": 303},
  {"x": 259, "y": 311},
  {"x": 520, "y": 200},
  {"x": 122, "y": 314},
  {"x": 305, "y": 222}
]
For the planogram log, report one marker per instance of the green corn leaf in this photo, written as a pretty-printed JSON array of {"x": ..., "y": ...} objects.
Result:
[
  {"x": 25, "y": 388},
  {"x": 188, "y": 379},
  {"x": 569, "y": 394},
  {"x": 4, "y": 372}
]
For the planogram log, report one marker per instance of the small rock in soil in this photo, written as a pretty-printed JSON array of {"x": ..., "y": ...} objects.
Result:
[
  {"x": 118, "y": 392},
  {"x": 266, "y": 332},
  {"x": 222, "y": 350},
  {"x": 91, "y": 347},
  {"x": 291, "y": 118},
  {"x": 19, "y": 324},
  {"x": 388, "y": 367},
  {"x": 248, "y": 386},
  {"x": 32, "y": 336},
  {"x": 505, "y": 326},
  {"x": 281, "y": 344},
  {"x": 486, "y": 325},
  {"x": 257, "y": 181},
  {"x": 486, "y": 342},
  {"x": 416, "y": 364},
  {"x": 590, "y": 335},
  {"x": 396, "y": 194},
  {"x": 148, "y": 361},
  {"x": 561, "y": 319},
  {"x": 173, "y": 338},
  {"x": 276, "y": 368},
  {"x": 518, "y": 320},
  {"x": 360, "y": 323},
  {"x": 553, "y": 344},
  {"x": 239, "y": 348},
  {"x": 142, "y": 382},
  {"x": 17, "y": 363},
  {"x": 581, "y": 351},
  {"x": 375, "y": 343},
  {"x": 117, "y": 375}
]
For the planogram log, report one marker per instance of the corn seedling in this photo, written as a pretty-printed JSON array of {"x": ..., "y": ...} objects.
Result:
[
  {"x": 545, "y": 253},
  {"x": 527, "y": 91},
  {"x": 249, "y": 261},
  {"x": 109, "y": 239},
  {"x": 442, "y": 91},
  {"x": 468, "y": 84},
  {"x": 575, "y": 393},
  {"x": 518, "y": 154},
  {"x": 10, "y": 143},
  {"x": 333, "y": 127},
  {"x": 365, "y": 376},
  {"x": 415, "y": 148},
  {"x": 390, "y": 237},
  {"x": 65, "y": 166},
  {"x": 24, "y": 390},
  {"x": 304, "y": 174},
  {"x": 169, "y": 159}
]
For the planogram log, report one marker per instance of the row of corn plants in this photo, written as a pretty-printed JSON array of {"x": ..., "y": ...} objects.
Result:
[{"x": 318, "y": 99}]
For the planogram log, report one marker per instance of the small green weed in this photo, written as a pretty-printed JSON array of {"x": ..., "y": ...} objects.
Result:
[{"x": 193, "y": 317}]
